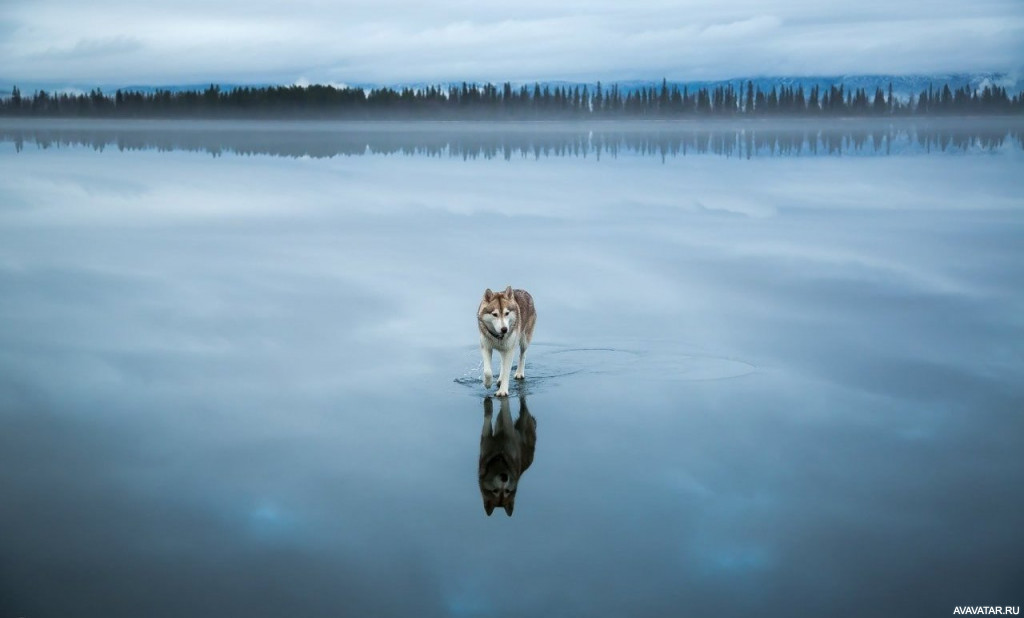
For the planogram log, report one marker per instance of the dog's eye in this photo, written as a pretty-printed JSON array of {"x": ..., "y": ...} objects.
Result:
[
  {"x": 494, "y": 313},
  {"x": 507, "y": 312}
]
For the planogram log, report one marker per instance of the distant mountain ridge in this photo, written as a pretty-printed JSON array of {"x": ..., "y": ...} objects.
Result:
[{"x": 903, "y": 85}]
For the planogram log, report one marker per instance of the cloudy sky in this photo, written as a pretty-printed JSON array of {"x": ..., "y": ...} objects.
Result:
[{"x": 122, "y": 42}]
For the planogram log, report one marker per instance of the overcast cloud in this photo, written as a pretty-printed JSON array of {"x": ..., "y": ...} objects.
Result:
[{"x": 393, "y": 41}]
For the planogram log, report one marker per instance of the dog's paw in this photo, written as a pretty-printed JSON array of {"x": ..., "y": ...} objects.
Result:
[
  {"x": 502, "y": 390},
  {"x": 487, "y": 380},
  {"x": 520, "y": 375}
]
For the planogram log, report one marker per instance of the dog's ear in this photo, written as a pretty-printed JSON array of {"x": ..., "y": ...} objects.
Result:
[
  {"x": 488, "y": 508},
  {"x": 488, "y": 295},
  {"x": 508, "y": 292},
  {"x": 508, "y": 508}
]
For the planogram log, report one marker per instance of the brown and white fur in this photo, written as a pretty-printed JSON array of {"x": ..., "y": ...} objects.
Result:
[
  {"x": 505, "y": 320},
  {"x": 506, "y": 451}
]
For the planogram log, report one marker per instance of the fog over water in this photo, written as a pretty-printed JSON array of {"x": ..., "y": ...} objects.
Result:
[
  {"x": 777, "y": 368},
  {"x": 744, "y": 138}
]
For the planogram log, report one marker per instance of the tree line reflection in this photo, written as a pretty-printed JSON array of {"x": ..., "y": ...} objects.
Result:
[{"x": 529, "y": 140}]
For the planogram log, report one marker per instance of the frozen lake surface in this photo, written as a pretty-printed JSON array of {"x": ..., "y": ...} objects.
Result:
[{"x": 778, "y": 368}]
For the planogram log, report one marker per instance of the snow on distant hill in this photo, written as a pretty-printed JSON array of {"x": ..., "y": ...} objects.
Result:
[{"x": 903, "y": 86}]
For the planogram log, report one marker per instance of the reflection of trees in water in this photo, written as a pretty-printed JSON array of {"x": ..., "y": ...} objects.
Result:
[{"x": 489, "y": 141}]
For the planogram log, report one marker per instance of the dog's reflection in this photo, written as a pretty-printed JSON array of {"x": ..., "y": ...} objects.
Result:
[{"x": 506, "y": 451}]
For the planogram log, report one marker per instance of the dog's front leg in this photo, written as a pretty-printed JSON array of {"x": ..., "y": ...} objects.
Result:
[
  {"x": 506, "y": 369},
  {"x": 485, "y": 351},
  {"x": 488, "y": 430}
]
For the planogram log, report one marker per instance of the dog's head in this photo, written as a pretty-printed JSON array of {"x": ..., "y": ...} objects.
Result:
[
  {"x": 498, "y": 312},
  {"x": 498, "y": 480}
]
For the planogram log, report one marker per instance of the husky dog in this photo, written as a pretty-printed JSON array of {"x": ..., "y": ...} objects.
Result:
[
  {"x": 505, "y": 319},
  {"x": 506, "y": 451}
]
